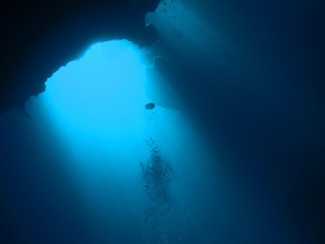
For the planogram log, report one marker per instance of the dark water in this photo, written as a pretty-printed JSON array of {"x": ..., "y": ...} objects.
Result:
[{"x": 231, "y": 152}]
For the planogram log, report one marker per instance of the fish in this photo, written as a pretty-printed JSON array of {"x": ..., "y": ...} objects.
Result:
[{"x": 150, "y": 106}]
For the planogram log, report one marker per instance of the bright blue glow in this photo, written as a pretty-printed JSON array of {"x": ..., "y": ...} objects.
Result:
[
  {"x": 90, "y": 128},
  {"x": 102, "y": 93},
  {"x": 96, "y": 106}
]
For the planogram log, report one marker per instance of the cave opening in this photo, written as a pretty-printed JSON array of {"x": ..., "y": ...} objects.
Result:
[{"x": 102, "y": 93}]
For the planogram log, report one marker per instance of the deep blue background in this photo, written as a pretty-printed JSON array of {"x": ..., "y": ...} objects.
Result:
[{"x": 270, "y": 122}]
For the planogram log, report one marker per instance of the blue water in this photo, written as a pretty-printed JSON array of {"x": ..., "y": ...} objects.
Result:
[
  {"x": 219, "y": 158},
  {"x": 93, "y": 164}
]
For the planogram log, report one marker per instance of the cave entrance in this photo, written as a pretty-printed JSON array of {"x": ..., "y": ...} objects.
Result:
[{"x": 102, "y": 93}]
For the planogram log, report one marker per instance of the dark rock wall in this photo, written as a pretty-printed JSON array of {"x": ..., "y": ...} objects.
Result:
[{"x": 38, "y": 37}]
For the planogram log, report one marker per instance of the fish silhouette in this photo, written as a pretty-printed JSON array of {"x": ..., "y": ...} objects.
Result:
[{"x": 150, "y": 106}]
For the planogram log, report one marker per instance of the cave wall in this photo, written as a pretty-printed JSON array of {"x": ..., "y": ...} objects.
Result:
[{"x": 38, "y": 37}]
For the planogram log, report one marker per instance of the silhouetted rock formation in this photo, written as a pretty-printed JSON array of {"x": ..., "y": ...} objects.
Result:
[{"x": 38, "y": 37}]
